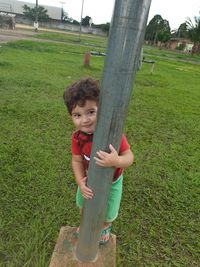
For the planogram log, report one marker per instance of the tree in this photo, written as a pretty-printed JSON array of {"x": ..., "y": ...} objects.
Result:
[
  {"x": 158, "y": 29},
  {"x": 66, "y": 18},
  {"x": 75, "y": 22},
  {"x": 31, "y": 12},
  {"x": 105, "y": 27},
  {"x": 163, "y": 33},
  {"x": 182, "y": 31},
  {"x": 194, "y": 33},
  {"x": 86, "y": 21}
]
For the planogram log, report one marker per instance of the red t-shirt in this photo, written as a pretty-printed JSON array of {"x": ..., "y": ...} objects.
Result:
[{"x": 82, "y": 145}]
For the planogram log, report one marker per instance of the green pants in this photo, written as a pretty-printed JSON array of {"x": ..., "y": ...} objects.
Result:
[{"x": 114, "y": 200}]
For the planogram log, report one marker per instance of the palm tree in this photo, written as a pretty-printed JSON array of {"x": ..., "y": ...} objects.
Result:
[{"x": 194, "y": 33}]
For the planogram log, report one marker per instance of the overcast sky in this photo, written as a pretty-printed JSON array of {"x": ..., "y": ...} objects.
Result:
[{"x": 175, "y": 11}]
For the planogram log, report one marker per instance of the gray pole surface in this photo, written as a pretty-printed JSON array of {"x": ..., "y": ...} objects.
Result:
[
  {"x": 36, "y": 11},
  {"x": 36, "y": 16},
  {"x": 121, "y": 63},
  {"x": 81, "y": 20}
]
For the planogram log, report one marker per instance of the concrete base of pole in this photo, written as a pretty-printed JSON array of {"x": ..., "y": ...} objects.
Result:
[{"x": 64, "y": 251}]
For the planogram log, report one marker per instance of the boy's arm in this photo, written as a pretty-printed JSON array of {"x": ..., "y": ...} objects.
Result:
[
  {"x": 79, "y": 173},
  {"x": 112, "y": 159}
]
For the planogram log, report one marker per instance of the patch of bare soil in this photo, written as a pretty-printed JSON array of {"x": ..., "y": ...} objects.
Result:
[{"x": 13, "y": 35}]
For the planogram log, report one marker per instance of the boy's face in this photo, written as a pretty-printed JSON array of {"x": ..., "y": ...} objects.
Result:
[{"x": 84, "y": 118}]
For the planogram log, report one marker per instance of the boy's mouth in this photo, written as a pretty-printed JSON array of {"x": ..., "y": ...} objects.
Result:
[{"x": 88, "y": 128}]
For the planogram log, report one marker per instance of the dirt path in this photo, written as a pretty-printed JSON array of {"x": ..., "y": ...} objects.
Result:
[
  {"x": 25, "y": 32},
  {"x": 13, "y": 35}
]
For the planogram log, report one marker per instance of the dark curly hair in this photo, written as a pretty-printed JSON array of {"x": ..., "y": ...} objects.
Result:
[{"x": 79, "y": 92}]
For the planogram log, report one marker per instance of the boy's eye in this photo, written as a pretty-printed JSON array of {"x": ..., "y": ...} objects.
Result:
[
  {"x": 76, "y": 115},
  {"x": 91, "y": 112}
]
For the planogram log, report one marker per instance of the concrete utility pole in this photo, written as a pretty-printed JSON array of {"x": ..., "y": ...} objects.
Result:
[
  {"x": 81, "y": 20},
  {"x": 62, "y": 10},
  {"x": 124, "y": 46},
  {"x": 36, "y": 16}
]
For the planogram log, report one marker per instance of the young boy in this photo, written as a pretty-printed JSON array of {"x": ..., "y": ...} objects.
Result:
[{"x": 81, "y": 99}]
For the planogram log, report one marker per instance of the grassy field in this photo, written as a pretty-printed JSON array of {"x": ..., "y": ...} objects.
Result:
[
  {"x": 83, "y": 39},
  {"x": 158, "y": 224}
]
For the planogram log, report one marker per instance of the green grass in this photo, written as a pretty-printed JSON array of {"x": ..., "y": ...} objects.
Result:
[
  {"x": 173, "y": 54},
  {"x": 158, "y": 224},
  {"x": 89, "y": 40}
]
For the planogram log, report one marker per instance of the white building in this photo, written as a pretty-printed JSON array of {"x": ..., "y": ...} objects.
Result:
[{"x": 16, "y": 7}]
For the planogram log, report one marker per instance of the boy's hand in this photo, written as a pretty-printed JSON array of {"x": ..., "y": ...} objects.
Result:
[
  {"x": 107, "y": 159},
  {"x": 86, "y": 191}
]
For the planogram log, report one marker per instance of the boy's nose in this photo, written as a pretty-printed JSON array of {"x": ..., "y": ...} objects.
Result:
[{"x": 84, "y": 119}]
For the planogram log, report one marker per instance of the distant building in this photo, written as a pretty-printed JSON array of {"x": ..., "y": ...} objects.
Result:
[
  {"x": 16, "y": 7},
  {"x": 180, "y": 44}
]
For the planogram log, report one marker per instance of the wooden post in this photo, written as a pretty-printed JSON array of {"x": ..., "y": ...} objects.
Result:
[
  {"x": 86, "y": 59},
  {"x": 124, "y": 46}
]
